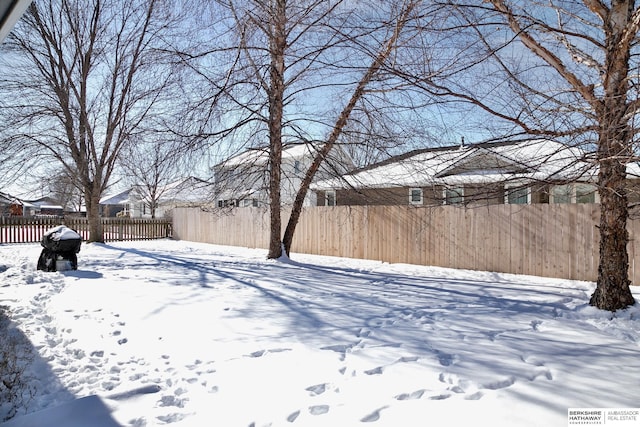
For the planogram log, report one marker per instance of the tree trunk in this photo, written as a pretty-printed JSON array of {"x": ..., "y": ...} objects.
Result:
[
  {"x": 612, "y": 292},
  {"x": 614, "y": 151},
  {"x": 93, "y": 216},
  {"x": 276, "y": 107}
]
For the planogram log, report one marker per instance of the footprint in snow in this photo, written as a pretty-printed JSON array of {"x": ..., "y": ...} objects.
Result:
[
  {"x": 446, "y": 359},
  {"x": 497, "y": 385},
  {"x": 375, "y": 371},
  {"x": 407, "y": 359},
  {"x": 318, "y": 409},
  {"x": 317, "y": 389},
  {"x": 535, "y": 324},
  {"x": 363, "y": 333},
  {"x": 171, "y": 400},
  {"x": 374, "y": 416},
  {"x": 293, "y": 416},
  {"x": 410, "y": 396},
  {"x": 442, "y": 396},
  {"x": 475, "y": 396},
  {"x": 261, "y": 353}
]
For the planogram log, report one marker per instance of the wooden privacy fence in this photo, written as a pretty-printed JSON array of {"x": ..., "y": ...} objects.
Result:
[
  {"x": 552, "y": 240},
  {"x": 31, "y": 229}
]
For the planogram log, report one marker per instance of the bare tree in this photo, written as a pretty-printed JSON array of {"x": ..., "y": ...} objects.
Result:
[
  {"x": 150, "y": 167},
  {"x": 62, "y": 186},
  {"x": 385, "y": 51},
  {"x": 561, "y": 69},
  {"x": 80, "y": 79},
  {"x": 275, "y": 48},
  {"x": 295, "y": 63}
]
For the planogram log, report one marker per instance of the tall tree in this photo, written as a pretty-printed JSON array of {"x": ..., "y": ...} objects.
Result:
[
  {"x": 82, "y": 78},
  {"x": 296, "y": 62},
  {"x": 281, "y": 56},
  {"x": 561, "y": 69}
]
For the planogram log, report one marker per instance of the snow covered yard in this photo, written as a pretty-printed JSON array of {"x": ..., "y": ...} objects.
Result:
[{"x": 171, "y": 332}]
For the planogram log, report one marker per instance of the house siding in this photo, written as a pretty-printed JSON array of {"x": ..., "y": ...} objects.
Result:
[{"x": 431, "y": 196}]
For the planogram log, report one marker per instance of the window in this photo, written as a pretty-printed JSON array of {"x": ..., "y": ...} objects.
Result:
[
  {"x": 561, "y": 194},
  {"x": 330, "y": 198},
  {"x": 574, "y": 193},
  {"x": 585, "y": 193},
  {"x": 517, "y": 196},
  {"x": 227, "y": 203},
  {"x": 415, "y": 196},
  {"x": 453, "y": 196}
]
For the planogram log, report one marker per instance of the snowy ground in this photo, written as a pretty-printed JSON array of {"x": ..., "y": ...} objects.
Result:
[{"x": 190, "y": 334}]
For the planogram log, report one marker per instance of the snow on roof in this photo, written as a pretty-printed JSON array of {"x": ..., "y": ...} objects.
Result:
[
  {"x": 116, "y": 199},
  {"x": 7, "y": 198},
  {"x": 478, "y": 163},
  {"x": 190, "y": 189},
  {"x": 259, "y": 156}
]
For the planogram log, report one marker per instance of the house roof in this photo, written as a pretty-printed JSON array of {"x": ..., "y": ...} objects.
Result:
[
  {"x": 186, "y": 190},
  {"x": 541, "y": 160},
  {"x": 260, "y": 155},
  {"x": 7, "y": 199},
  {"x": 10, "y": 12},
  {"x": 116, "y": 199}
]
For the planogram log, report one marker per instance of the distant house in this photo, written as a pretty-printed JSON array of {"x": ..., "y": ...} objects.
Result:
[
  {"x": 46, "y": 206},
  {"x": 243, "y": 180},
  {"x": 513, "y": 172},
  {"x": 115, "y": 205},
  {"x": 135, "y": 202}
]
